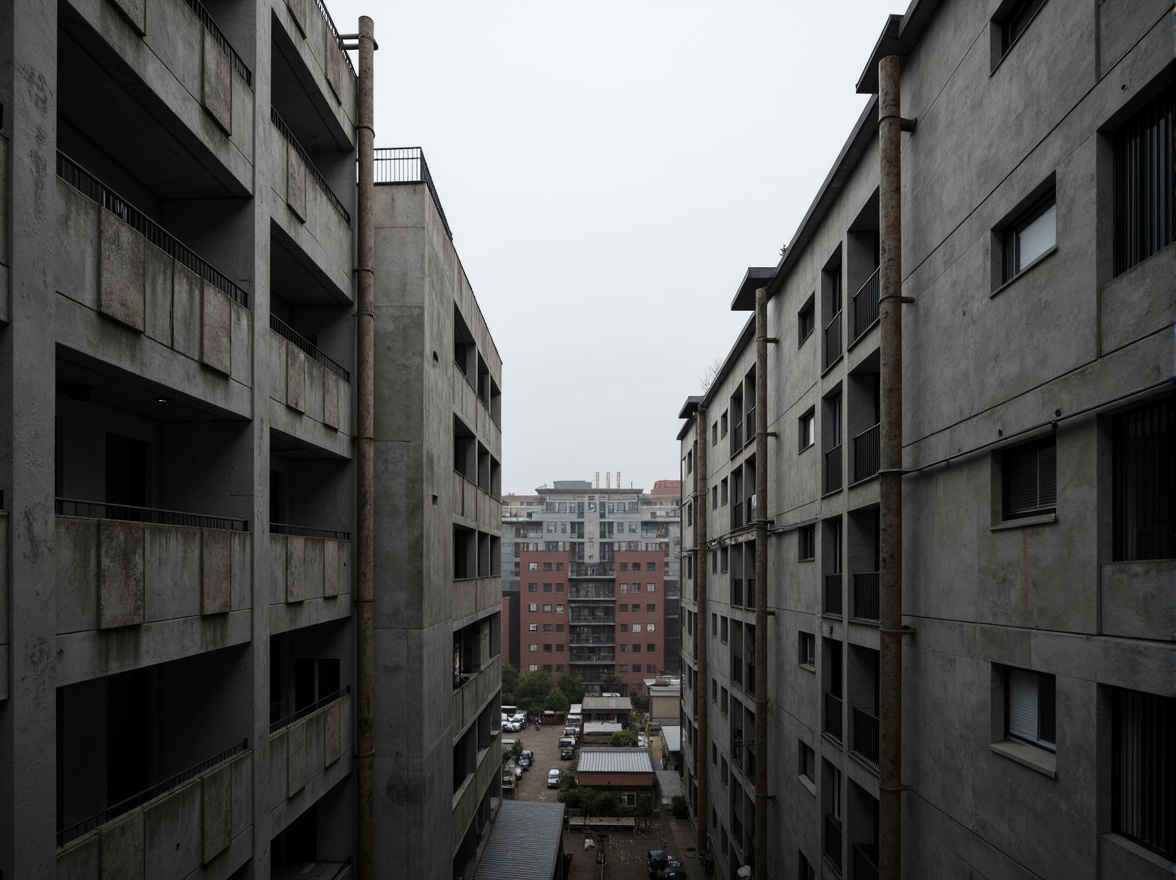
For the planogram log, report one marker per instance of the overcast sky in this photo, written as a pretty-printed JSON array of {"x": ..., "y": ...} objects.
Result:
[{"x": 609, "y": 170}]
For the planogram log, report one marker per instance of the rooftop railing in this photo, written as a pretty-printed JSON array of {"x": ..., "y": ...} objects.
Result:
[
  {"x": 73, "y": 832},
  {"x": 311, "y": 168},
  {"x": 407, "y": 165},
  {"x": 293, "y": 336},
  {"x": 221, "y": 40},
  {"x": 150, "y": 515},
  {"x": 92, "y": 188},
  {"x": 335, "y": 33},
  {"x": 305, "y": 532}
]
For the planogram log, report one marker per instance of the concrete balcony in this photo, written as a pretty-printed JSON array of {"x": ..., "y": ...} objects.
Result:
[
  {"x": 183, "y": 83},
  {"x": 472, "y": 410},
  {"x": 467, "y": 798},
  {"x": 308, "y": 756},
  {"x": 312, "y": 395},
  {"x": 5, "y": 257},
  {"x": 137, "y": 593},
  {"x": 311, "y": 577},
  {"x": 314, "y": 217},
  {"x": 309, "y": 39},
  {"x": 472, "y": 597},
  {"x": 132, "y": 295},
  {"x": 474, "y": 505},
  {"x": 199, "y": 824},
  {"x": 471, "y": 696}
]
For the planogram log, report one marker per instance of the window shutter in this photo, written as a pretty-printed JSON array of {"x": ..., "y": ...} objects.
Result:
[
  {"x": 1022, "y": 481},
  {"x": 1023, "y": 704},
  {"x": 1047, "y": 467}
]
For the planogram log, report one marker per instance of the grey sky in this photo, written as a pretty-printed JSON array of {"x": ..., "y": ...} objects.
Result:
[{"x": 609, "y": 170}]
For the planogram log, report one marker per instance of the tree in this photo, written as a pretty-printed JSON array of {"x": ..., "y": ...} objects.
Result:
[
  {"x": 510, "y": 684},
  {"x": 572, "y": 686},
  {"x": 555, "y": 701},
  {"x": 710, "y": 373},
  {"x": 532, "y": 690},
  {"x": 640, "y": 704},
  {"x": 622, "y": 738},
  {"x": 612, "y": 685}
]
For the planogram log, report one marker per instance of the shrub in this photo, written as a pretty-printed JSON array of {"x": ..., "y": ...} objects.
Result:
[{"x": 678, "y": 807}]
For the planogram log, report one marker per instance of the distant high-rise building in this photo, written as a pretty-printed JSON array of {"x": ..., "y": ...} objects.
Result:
[{"x": 590, "y": 582}]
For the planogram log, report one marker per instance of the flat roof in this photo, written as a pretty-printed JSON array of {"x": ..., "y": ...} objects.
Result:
[
  {"x": 627, "y": 760},
  {"x": 602, "y": 727},
  {"x": 673, "y": 737},
  {"x": 524, "y": 842},
  {"x": 607, "y": 704}
]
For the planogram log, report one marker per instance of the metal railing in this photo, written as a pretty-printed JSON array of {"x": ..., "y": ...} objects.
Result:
[
  {"x": 577, "y": 641},
  {"x": 275, "y": 726},
  {"x": 865, "y": 735},
  {"x": 311, "y": 168},
  {"x": 865, "y": 861},
  {"x": 94, "y": 189},
  {"x": 867, "y": 453},
  {"x": 833, "y": 469},
  {"x": 832, "y": 598},
  {"x": 306, "y": 532},
  {"x": 293, "y": 336},
  {"x": 833, "y": 340},
  {"x": 73, "y": 832},
  {"x": 591, "y": 658},
  {"x": 591, "y": 618},
  {"x": 833, "y": 840},
  {"x": 335, "y": 33},
  {"x": 149, "y": 515},
  {"x": 865, "y": 306},
  {"x": 408, "y": 165},
  {"x": 579, "y": 592},
  {"x": 833, "y": 716},
  {"x": 210, "y": 25},
  {"x": 865, "y": 596},
  {"x": 590, "y": 569}
]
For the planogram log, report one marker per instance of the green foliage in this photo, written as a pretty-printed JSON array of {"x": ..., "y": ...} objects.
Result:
[
  {"x": 678, "y": 807},
  {"x": 595, "y": 804},
  {"x": 623, "y": 738},
  {"x": 640, "y": 704},
  {"x": 510, "y": 684},
  {"x": 532, "y": 690},
  {"x": 572, "y": 686},
  {"x": 612, "y": 685},
  {"x": 514, "y": 751},
  {"x": 555, "y": 701}
]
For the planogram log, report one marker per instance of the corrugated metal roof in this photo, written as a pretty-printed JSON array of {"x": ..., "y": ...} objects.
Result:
[
  {"x": 607, "y": 704},
  {"x": 524, "y": 842},
  {"x": 673, "y": 738},
  {"x": 614, "y": 761},
  {"x": 602, "y": 726}
]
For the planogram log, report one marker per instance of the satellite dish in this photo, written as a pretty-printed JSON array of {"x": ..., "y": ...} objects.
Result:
[{"x": 745, "y": 871}]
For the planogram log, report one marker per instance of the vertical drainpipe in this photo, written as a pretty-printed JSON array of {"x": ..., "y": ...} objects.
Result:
[
  {"x": 761, "y": 582},
  {"x": 890, "y": 125},
  {"x": 365, "y": 464},
  {"x": 702, "y": 764}
]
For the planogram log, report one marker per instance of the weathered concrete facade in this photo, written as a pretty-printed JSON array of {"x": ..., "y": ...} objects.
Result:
[
  {"x": 177, "y": 311},
  {"x": 1044, "y": 371}
]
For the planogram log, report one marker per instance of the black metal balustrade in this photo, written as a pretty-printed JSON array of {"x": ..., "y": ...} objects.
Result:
[
  {"x": 832, "y": 603},
  {"x": 149, "y": 515},
  {"x": 92, "y": 188},
  {"x": 311, "y": 168},
  {"x": 865, "y": 596},
  {"x": 865, "y": 735},
  {"x": 833, "y": 340},
  {"x": 306, "y": 532},
  {"x": 278, "y": 724},
  {"x": 867, "y": 453},
  {"x": 833, "y": 469},
  {"x": 833, "y": 840},
  {"x": 293, "y": 336},
  {"x": 221, "y": 40},
  {"x": 408, "y": 165},
  {"x": 865, "y": 861},
  {"x": 865, "y": 306},
  {"x": 73, "y": 832},
  {"x": 590, "y": 569},
  {"x": 833, "y": 716}
]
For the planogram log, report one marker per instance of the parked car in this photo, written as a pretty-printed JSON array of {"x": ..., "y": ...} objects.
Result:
[
  {"x": 663, "y": 865},
  {"x": 566, "y": 753},
  {"x": 526, "y": 759},
  {"x": 553, "y": 777},
  {"x": 508, "y": 781}
]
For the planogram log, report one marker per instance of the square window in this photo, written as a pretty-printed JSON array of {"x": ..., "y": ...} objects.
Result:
[
  {"x": 1029, "y": 707},
  {"x": 808, "y": 762},
  {"x": 651, "y": 566},
  {"x": 533, "y": 627},
  {"x": 1030, "y": 479},
  {"x": 533, "y": 667},
  {"x": 808, "y": 649},
  {"x": 547, "y": 609},
  {"x": 649, "y": 627},
  {"x": 559, "y": 627},
  {"x": 636, "y": 647},
  {"x": 651, "y": 588},
  {"x": 532, "y": 566},
  {"x": 532, "y": 607},
  {"x": 532, "y": 588},
  {"x": 559, "y": 609},
  {"x": 624, "y": 667},
  {"x": 650, "y": 608},
  {"x": 547, "y": 627},
  {"x": 547, "y": 566},
  {"x": 624, "y": 607},
  {"x": 1030, "y": 237},
  {"x": 1143, "y": 477},
  {"x": 559, "y": 566},
  {"x": 806, "y": 321},
  {"x": 1144, "y": 201},
  {"x": 547, "y": 588},
  {"x": 533, "y": 647},
  {"x": 1144, "y": 774},
  {"x": 622, "y": 627},
  {"x": 624, "y": 566},
  {"x": 636, "y": 607},
  {"x": 559, "y": 588},
  {"x": 807, "y": 543},
  {"x": 651, "y": 648},
  {"x": 624, "y": 649},
  {"x": 547, "y": 648},
  {"x": 807, "y": 430},
  {"x": 1016, "y": 21}
]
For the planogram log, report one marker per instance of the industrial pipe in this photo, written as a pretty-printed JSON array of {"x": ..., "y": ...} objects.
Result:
[
  {"x": 701, "y": 763},
  {"x": 365, "y": 636},
  {"x": 761, "y": 582}
]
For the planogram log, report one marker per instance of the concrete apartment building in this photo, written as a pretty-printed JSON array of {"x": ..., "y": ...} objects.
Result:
[
  {"x": 590, "y": 580},
  {"x": 1035, "y": 714},
  {"x": 177, "y": 460}
]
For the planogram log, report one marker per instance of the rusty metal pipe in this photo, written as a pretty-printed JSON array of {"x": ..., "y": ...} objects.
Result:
[
  {"x": 365, "y": 635},
  {"x": 703, "y": 741},
  {"x": 761, "y": 582},
  {"x": 890, "y": 126}
]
